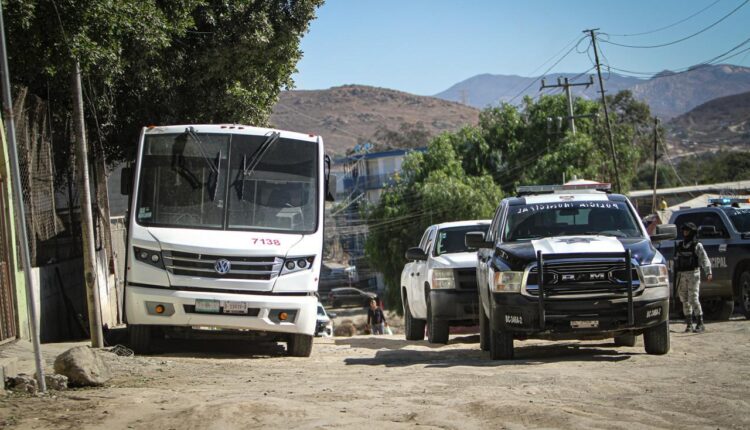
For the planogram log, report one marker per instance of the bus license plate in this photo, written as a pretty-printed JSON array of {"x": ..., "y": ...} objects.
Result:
[
  {"x": 584, "y": 324},
  {"x": 207, "y": 306},
  {"x": 235, "y": 307}
]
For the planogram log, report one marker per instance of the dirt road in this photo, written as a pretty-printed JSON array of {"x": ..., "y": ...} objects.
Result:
[{"x": 386, "y": 382}]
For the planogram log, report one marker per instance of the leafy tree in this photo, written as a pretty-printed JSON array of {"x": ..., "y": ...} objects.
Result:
[
  {"x": 432, "y": 188},
  {"x": 155, "y": 62}
]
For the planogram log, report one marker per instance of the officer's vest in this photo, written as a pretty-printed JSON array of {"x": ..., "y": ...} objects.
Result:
[{"x": 686, "y": 259}]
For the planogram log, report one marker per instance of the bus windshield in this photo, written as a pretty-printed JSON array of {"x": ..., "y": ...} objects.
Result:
[
  {"x": 534, "y": 221},
  {"x": 228, "y": 182}
]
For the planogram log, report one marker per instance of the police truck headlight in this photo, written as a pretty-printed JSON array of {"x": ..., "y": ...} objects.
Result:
[
  {"x": 654, "y": 275},
  {"x": 297, "y": 264},
  {"x": 443, "y": 279},
  {"x": 507, "y": 282}
]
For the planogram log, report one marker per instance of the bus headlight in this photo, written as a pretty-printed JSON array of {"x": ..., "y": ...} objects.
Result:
[
  {"x": 148, "y": 256},
  {"x": 507, "y": 282},
  {"x": 443, "y": 278},
  {"x": 654, "y": 275},
  {"x": 297, "y": 264}
]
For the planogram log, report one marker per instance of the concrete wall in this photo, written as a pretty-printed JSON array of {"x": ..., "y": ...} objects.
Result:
[
  {"x": 16, "y": 274},
  {"x": 61, "y": 299}
]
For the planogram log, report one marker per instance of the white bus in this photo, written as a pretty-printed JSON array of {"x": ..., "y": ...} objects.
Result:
[{"x": 225, "y": 234}]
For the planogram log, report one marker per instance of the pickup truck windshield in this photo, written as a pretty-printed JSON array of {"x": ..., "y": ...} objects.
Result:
[
  {"x": 451, "y": 239},
  {"x": 206, "y": 183},
  {"x": 740, "y": 219},
  {"x": 533, "y": 221}
]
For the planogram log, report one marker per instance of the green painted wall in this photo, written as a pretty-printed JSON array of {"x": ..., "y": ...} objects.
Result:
[{"x": 17, "y": 276}]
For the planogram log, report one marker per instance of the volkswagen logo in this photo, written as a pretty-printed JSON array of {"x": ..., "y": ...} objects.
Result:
[{"x": 222, "y": 266}]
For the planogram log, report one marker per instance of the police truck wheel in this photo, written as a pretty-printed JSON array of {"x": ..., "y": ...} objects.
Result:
[
  {"x": 627, "y": 339},
  {"x": 501, "y": 342},
  {"x": 140, "y": 338},
  {"x": 656, "y": 339},
  {"x": 744, "y": 298},
  {"x": 725, "y": 310},
  {"x": 437, "y": 330},
  {"x": 501, "y": 345},
  {"x": 484, "y": 329},
  {"x": 414, "y": 327},
  {"x": 299, "y": 345}
]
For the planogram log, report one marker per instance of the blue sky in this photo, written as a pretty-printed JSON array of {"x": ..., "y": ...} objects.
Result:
[{"x": 425, "y": 46}]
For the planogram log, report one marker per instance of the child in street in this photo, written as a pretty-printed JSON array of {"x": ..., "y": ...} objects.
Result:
[{"x": 376, "y": 318}]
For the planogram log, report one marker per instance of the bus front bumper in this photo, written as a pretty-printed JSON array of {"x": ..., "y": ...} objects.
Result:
[{"x": 256, "y": 312}]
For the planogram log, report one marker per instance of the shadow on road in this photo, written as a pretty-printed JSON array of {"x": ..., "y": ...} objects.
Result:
[
  {"x": 524, "y": 355},
  {"x": 375, "y": 342}
]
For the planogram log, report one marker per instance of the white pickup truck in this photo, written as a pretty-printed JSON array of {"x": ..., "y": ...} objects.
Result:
[{"x": 438, "y": 284}]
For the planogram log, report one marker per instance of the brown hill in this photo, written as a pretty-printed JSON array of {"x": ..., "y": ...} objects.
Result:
[
  {"x": 722, "y": 123},
  {"x": 351, "y": 114}
]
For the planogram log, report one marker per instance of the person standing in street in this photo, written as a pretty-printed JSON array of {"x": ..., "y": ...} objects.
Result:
[
  {"x": 376, "y": 318},
  {"x": 689, "y": 258}
]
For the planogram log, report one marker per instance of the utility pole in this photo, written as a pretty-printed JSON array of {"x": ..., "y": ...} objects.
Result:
[
  {"x": 564, "y": 83},
  {"x": 606, "y": 111},
  {"x": 656, "y": 155},
  {"x": 23, "y": 236},
  {"x": 87, "y": 223}
]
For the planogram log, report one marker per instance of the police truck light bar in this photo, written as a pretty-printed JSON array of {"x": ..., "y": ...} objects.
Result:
[
  {"x": 721, "y": 201},
  {"x": 549, "y": 189}
]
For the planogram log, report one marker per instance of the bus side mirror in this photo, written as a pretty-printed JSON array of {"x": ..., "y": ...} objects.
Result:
[
  {"x": 330, "y": 187},
  {"x": 664, "y": 232},
  {"x": 126, "y": 176}
]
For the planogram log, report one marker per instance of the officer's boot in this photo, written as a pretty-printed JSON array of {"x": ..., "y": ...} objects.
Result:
[
  {"x": 689, "y": 323},
  {"x": 700, "y": 328}
]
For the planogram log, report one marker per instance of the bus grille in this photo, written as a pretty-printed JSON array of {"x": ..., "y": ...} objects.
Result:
[{"x": 203, "y": 265}]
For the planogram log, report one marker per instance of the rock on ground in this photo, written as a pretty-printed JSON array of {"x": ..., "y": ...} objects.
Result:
[
  {"x": 346, "y": 329},
  {"x": 83, "y": 367},
  {"x": 22, "y": 383},
  {"x": 56, "y": 382}
]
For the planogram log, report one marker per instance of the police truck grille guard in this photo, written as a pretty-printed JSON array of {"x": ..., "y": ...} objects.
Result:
[
  {"x": 191, "y": 264},
  {"x": 546, "y": 289}
]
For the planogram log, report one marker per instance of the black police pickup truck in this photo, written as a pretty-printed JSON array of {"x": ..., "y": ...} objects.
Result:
[
  {"x": 724, "y": 231},
  {"x": 570, "y": 262}
]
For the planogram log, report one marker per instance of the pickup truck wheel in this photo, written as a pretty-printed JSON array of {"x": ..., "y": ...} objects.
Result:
[
  {"x": 484, "y": 329},
  {"x": 437, "y": 330},
  {"x": 656, "y": 339},
  {"x": 627, "y": 339},
  {"x": 501, "y": 342},
  {"x": 720, "y": 310},
  {"x": 744, "y": 298},
  {"x": 414, "y": 327},
  {"x": 501, "y": 345},
  {"x": 299, "y": 345},
  {"x": 140, "y": 338}
]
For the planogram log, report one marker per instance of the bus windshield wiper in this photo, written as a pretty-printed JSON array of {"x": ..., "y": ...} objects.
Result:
[
  {"x": 213, "y": 177},
  {"x": 260, "y": 152},
  {"x": 248, "y": 168}
]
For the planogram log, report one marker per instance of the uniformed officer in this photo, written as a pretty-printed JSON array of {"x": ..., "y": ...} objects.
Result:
[{"x": 689, "y": 258}]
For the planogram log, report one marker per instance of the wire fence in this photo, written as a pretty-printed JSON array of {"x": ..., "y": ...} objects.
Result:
[{"x": 51, "y": 200}]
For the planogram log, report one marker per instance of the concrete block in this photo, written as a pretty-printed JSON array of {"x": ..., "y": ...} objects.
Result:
[{"x": 8, "y": 368}]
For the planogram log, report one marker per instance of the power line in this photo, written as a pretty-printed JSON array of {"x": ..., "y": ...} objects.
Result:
[
  {"x": 712, "y": 61},
  {"x": 668, "y": 26},
  {"x": 545, "y": 72},
  {"x": 661, "y": 45}
]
